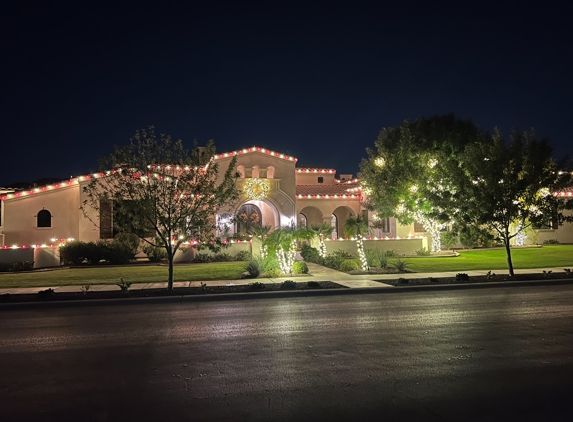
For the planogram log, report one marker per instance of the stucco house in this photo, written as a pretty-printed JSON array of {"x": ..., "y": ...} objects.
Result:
[{"x": 274, "y": 190}]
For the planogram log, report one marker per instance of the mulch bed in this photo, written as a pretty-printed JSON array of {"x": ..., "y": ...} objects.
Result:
[
  {"x": 475, "y": 279},
  {"x": 187, "y": 291}
]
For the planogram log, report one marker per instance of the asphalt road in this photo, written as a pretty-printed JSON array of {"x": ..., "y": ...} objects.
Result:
[{"x": 467, "y": 355}]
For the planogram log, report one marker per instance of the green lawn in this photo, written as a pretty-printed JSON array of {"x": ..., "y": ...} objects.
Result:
[
  {"x": 544, "y": 257},
  {"x": 133, "y": 274}
]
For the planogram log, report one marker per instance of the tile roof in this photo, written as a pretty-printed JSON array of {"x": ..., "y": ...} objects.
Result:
[{"x": 320, "y": 190}]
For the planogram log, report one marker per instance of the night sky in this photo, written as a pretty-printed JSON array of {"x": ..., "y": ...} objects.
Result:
[{"x": 317, "y": 80}]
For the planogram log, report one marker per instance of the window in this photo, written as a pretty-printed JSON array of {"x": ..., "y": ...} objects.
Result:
[
  {"x": 105, "y": 223},
  {"x": 44, "y": 218},
  {"x": 385, "y": 225},
  {"x": 419, "y": 227},
  {"x": 321, "y": 179}
]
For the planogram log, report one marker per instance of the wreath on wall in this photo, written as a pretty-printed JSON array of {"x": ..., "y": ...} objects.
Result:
[{"x": 257, "y": 189}]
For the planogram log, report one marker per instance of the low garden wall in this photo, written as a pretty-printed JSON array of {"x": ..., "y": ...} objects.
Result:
[
  {"x": 189, "y": 253},
  {"x": 400, "y": 246}
]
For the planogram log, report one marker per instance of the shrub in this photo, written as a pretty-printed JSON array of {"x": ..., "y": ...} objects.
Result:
[
  {"x": 423, "y": 252},
  {"x": 449, "y": 239},
  {"x": 401, "y": 265},
  {"x": 222, "y": 257},
  {"x": 202, "y": 258},
  {"x": 432, "y": 280},
  {"x": 376, "y": 258},
  {"x": 255, "y": 267},
  {"x": 257, "y": 285},
  {"x": 271, "y": 273},
  {"x": 390, "y": 253},
  {"x": 243, "y": 256},
  {"x": 567, "y": 271},
  {"x": 129, "y": 240},
  {"x": 119, "y": 253},
  {"x": 300, "y": 267},
  {"x": 73, "y": 253},
  {"x": 550, "y": 242},
  {"x": 333, "y": 261},
  {"x": 462, "y": 277},
  {"x": 288, "y": 285},
  {"x": 95, "y": 252},
  {"x": 349, "y": 265},
  {"x": 155, "y": 253},
  {"x": 489, "y": 275},
  {"x": 21, "y": 266},
  {"x": 341, "y": 253},
  {"x": 546, "y": 274},
  {"x": 46, "y": 294},
  {"x": 313, "y": 285},
  {"x": 403, "y": 280},
  {"x": 124, "y": 285},
  {"x": 310, "y": 254}
]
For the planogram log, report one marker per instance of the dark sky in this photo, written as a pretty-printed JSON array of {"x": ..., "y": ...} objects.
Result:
[{"x": 317, "y": 80}]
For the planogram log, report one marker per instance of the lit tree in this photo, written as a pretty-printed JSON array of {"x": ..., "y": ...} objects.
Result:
[
  {"x": 283, "y": 243},
  {"x": 512, "y": 185},
  {"x": 411, "y": 172},
  {"x": 261, "y": 232},
  {"x": 162, "y": 193},
  {"x": 321, "y": 231},
  {"x": 357, "y": 227}
]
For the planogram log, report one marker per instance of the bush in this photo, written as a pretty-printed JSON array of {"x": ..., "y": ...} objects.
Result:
[
  {"x": 313, "y": 285},
  {"x": 423, "y": 252},
  {"x": 222, "y": 257},
  {"x": 73, "y": 253},
  {"x": 202, "y": 258},
  {"x": 551, "y": 242},
  {"x": 17, "y": 266},
  {"x": 288, "y": 285},
  {"x": 449, "y": 239},
  {"x": 390, "y": 253},
  {"x": 300, "y": 267},
  {"x": 255, "y": 267},
  {"x": 349, "y": 265},
  {"x": 432, "y": 280},
  {"x": 462, "y": 277},
  {"x": 400, "y": 265},
  {"x": 129, "y": 240},
  {"x": 155, "y": 253},
  {"x": 124, "y": 285},
  {"x": 46, "y": 294},
  {"x": 257, "y": 285},
  {"x": 95, "y": 252},
  {"x": 119, "y": 253},
  {"x": 376, "y": 258},
  {"x": 271, "y": 273},
  {"x": 403, "y": 280},
  {"x": 341, "y": 253},
  {"x": 243, "y": 256},
  {"x": 333, "y": 261},
  {"x": 310, "y": 254}
]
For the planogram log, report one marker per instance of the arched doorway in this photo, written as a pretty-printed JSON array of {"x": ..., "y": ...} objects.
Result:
[
  {"x": 342, "y": 214},
  {"x": 248, "y": 216}
]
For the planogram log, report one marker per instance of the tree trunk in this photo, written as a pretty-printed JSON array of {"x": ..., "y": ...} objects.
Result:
[
  {"x": 170, "y": 279},
  {"x": 508, "y": 254}
]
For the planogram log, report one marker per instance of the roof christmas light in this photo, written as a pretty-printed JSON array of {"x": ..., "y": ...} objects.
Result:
[
  {"x": 255, "y": 149},
  {"x": 314, "y": 170}
]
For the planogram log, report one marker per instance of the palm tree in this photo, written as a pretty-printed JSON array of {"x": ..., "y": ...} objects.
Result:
[
  {"x": 321, "y": 231},
  {"x": 261, "y": 232},
  {"x": 282, "y": 241},
  {"x": 357, "y": 227}
]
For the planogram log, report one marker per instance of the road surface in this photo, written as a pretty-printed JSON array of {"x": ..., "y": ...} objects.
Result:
[{"x": 467, "y": 355}]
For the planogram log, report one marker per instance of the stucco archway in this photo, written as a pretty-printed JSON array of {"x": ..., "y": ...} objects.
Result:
[
  {"x": 313, "y": 216},
  {"x": 342, "y": 214}
]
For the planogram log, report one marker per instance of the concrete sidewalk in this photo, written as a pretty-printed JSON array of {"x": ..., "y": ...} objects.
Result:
[{"x": 316, "y": 273}]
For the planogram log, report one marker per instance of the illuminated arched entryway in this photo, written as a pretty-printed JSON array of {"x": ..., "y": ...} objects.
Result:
[
  {"x": 342, "y": 214},
  {"x": 311, "y": 216},
  {"x": 253, "y": 213}
]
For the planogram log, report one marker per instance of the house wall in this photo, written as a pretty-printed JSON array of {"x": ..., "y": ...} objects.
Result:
[
  {"x": 311, "y": 178},
  {"x": 20, "y": 222}
]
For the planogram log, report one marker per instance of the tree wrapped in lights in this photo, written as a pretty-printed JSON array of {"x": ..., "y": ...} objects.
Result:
[
  {"x": 157, "y": 190},
  {"x": 261, "y": 233},
  {"x": 322, "y": 231},
  {"x": 283, "y": 243},
  {"x": 357, "y": 228},
  {"x": 410, "y": 174},
  {"x": 505, "y": 186}
]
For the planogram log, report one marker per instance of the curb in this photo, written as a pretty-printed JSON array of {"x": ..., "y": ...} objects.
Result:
[{"x": 276, "y": 294}]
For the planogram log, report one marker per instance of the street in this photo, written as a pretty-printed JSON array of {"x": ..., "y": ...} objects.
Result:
[{"x": 472, "y": 355}]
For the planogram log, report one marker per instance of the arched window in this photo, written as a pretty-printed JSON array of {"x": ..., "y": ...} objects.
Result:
[
  {"x": 270, "y": 172},
  {"x": 241, "y": 171},
  {"x": 44, "y": 218},
  {"x": 248, "y": 216},
  {"x": 302, "y": 220},
  {"x": 255, "y": 173}
]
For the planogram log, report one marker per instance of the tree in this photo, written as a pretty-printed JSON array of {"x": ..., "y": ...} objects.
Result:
[
  {"x": 511, "y": 185},
  {"x": 357, "y": 227},
  {"x": 321, "y": 231},
  {"x": 410, "y": 174},
  {"x": 282, "y": 242},
  {"x": 260, "y": 232},
  {"x": 162, "y": 193}
]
